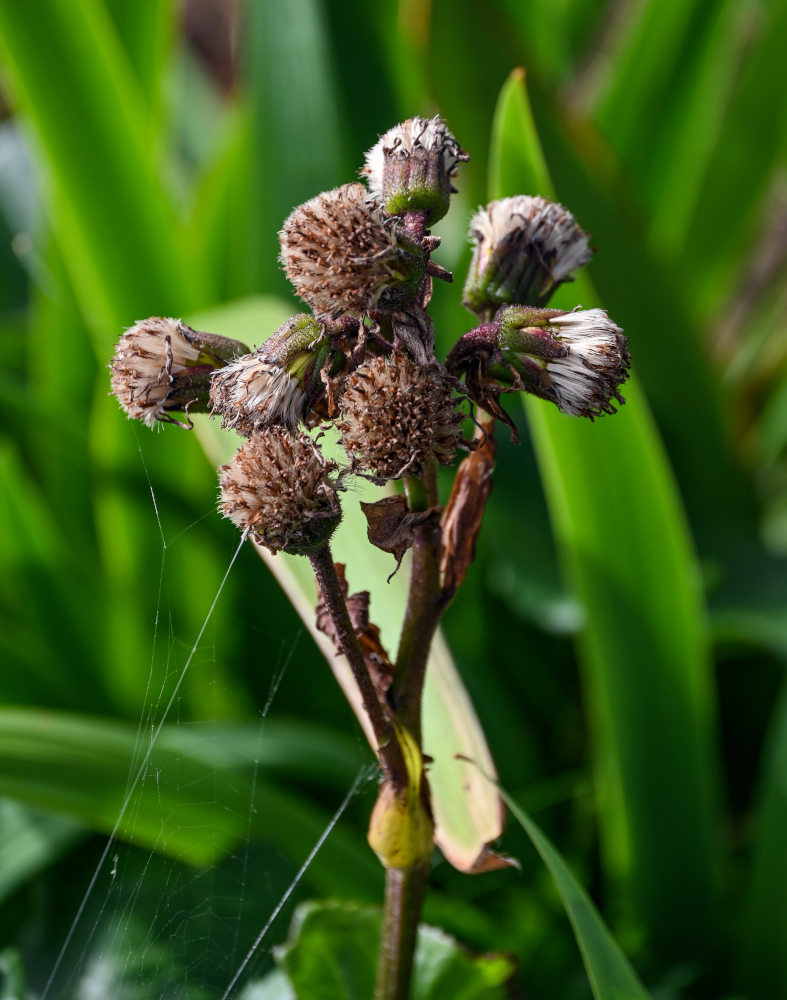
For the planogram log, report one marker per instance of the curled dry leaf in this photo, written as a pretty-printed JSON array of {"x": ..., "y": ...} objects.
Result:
[
  {"x": 390, "y": 525},
  {"x": 465, "y": 511}
]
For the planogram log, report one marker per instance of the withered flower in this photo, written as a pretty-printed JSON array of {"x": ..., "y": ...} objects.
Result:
[
  {"x": 343, "y": 256},
  {"x": 409, "y": 169},
  {"x": 280, "y": 488},
  {"x": 277, "y": 382},
  {"x": 577, "y": 360},
  {"x": 398, "y": 417},
  {"x": 524, "y": 248},
  {"x": 162, "y": 366}
]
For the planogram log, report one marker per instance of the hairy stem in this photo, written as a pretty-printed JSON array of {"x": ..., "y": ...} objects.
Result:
[{"x": 387, "y": 746}]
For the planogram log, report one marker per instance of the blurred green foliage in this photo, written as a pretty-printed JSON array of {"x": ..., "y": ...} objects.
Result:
[{"x": 623, "y": 631}]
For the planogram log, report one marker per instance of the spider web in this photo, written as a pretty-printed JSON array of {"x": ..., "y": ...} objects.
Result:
[{"x": 151, "y": 925}]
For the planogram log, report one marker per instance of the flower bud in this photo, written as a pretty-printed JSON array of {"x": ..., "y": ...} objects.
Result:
[
  {"x": 410, "y": 168},
  {"x": 275, "y": 384},
  {"x": 397, "y": 417},
  {"x": 162, "y": 366},
  {"x": 524, "y": 248},
  {"x": 279, "y": 488},
  {"x": 343, "y": 256},
  {"x": 577, "y": 360}
]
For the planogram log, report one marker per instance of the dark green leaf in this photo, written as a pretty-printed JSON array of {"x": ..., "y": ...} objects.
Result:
[
  {"x": 611, "y": 977},
  {"x": 619, "y": 524},
  {"x": 332, "y": 955}
]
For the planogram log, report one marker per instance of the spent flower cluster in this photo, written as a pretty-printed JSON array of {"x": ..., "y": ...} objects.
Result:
[
  {"x": 361, "y": 364},
  {"x": 363, "y": 357}
]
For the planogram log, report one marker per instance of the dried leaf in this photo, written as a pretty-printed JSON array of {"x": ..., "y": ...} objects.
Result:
[
  {"x": 391, "y": 526},
  {"x": 465, "y": 510}
]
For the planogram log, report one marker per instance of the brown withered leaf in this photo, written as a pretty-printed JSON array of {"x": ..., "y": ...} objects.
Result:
[
  {"x": 465, "y": 511},
  {"x": 391, "y": 526},
  {"x": 377, "y": 660}
]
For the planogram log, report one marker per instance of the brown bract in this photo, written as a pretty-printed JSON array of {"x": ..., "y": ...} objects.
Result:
[
  {"x": 398, "y": 417},
  {"x": 464, "y": 512},
  {"x": 279, "y": 488},
  {"x": 390, "y": 525}
]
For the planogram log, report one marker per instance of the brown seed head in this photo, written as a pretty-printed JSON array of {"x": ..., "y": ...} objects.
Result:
[
  {"x": 279, "y": 487},
  {"x": 397, "y": 417},
  {"x": 343, "y": 256}
]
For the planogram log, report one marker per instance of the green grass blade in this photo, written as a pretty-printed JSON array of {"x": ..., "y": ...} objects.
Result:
[
  {"x": 31, "y": 841},
  {"x": 292, "y": 87},
  {"x": 747, "y": 159},
  {"x": 647, "y": 57},
  {"x": 626, "y": 550},
  {"x": 764, "y": 954},
  {"x": 196, "y": 808},
  {"x": 114, "y": 223},
  {"x": 610, "y": 974},
  {"x": 147, "y": 28},
  {"x": 685, "y": 153}
]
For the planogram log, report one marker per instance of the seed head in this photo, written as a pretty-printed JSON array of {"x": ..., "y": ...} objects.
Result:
[
  {"x": 524, "y": 248},
  {"x": 398, "y": 417},
  {"x": 409, "y": 169},
  {"x": 276, "y": 383},
  {"x": 343, "y": 256},
  {"x": 279, "y": 487},
  {"x": 162, "y": 366}
]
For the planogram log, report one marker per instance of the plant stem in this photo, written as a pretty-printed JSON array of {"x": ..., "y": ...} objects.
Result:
[
  {"x": 388, "y": 747},
  {"x": 423, "y": 608},
  {"x": 405, "y": 889}
]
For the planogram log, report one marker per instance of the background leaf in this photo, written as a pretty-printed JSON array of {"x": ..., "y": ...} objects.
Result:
[
  {"x": 611, "y": 977},
  {"x": 644, "y": 644}
]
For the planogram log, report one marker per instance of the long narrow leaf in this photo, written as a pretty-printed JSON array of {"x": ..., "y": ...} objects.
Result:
[
  {"x": 611, "y": 977},
  {"x": 193, "y": 797},
  {"x": 764, "y": 955},
  {"x": 115, "y": 225},
  {"x": 627, "y": 553}
]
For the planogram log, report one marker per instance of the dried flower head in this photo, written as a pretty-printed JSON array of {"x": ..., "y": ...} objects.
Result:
[
  {"x": 343, "y": 256},
  {"x": 279, "y": 488},
  {"x": 587, "y": 378},
  {"x": 398, "y": 417},
  {"x": 577, "y": 360},
  {"x": 162, "y": 366},
  {"x": 276, "y": 383},
  {"x": 409, "y": 169},
  {"x": 524, "y": 248}
]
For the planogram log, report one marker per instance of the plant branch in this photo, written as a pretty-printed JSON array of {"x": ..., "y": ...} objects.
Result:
[
  {"x": 405, "y": 887},
  {"x": 388, "y": 748},
  {"x": 423, "y": 608}
]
